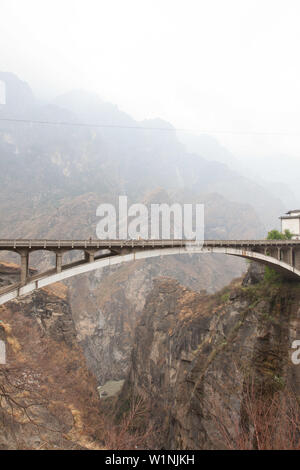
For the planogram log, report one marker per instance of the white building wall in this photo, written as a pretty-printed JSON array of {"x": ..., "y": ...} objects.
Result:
[{"x": 293, "y": 225}]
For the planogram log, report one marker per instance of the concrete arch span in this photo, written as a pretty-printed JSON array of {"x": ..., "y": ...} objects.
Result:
[{"x": 80, "y": 268}]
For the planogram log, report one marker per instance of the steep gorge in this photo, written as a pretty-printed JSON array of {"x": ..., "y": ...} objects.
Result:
[{"x": 194, "y": 355}]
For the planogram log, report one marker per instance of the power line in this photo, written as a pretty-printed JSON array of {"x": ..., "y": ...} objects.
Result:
[
  {"x": 84, "y": 124},
  {"x": 142, "y": 128}
]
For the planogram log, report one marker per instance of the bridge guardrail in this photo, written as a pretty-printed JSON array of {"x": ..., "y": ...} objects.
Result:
[{"x": 42, "y": 244}]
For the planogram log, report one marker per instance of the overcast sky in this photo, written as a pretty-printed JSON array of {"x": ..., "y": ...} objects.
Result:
[{"x": 220, "y": 65}]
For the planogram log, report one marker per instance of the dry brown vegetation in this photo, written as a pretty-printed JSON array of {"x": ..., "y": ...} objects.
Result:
[
  {"x": 266, "y": 421},
  {"x": 22, "y": 405},
  {"x": 130, "y": 432}
]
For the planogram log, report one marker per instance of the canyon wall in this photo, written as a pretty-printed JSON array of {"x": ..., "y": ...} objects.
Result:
[
  {"x": 195, "y": 353},
  {"x": 48, "y": 397}
]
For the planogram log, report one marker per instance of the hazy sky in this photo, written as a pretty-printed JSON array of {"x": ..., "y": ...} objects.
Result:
[{"x": 229, "y": 65}]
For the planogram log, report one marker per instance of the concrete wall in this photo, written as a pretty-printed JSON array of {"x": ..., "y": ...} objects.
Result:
[{"x": 291, "y": 224}]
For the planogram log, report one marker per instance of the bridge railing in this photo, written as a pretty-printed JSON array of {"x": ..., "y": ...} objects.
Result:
[{"x": 16, "y": 244}]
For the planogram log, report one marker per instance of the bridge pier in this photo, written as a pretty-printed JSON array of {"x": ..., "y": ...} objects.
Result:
[
  {"x": 89, "y": 255},
  {"x": 59, "y": 255},
  {"x": 297, "y": 258},
  {"x": 279, "y": 253},
  {"x": 285, "y": 255},
  {"x": 24, "y": 266},
  {"x": 292, "y": 256}
]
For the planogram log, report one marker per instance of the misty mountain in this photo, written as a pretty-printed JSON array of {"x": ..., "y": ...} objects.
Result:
[
  {"x": 277, "y": 175},
  {"x": 280, "y": 173},
  {"x": 19, "y": 96},
  {"x": 41, "y": 163},
  {"x": 207, "y": 146}
]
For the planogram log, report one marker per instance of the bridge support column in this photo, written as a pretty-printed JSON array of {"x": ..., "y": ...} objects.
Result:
[
  {"x": 90, "y": 255},
  {"x": 297, "y": 257},
  {"x": 291, "y": 256},
  {"x": 278, "y": 253},
  {"x": 58, "y": 264},
  {"x": 59, "y": 255},
  {"x": 24, "y": 266}
]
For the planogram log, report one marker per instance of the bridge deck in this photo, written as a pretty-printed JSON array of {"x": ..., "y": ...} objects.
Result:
[
  {"x": 282, "y": 255},
  {"x": 35, "y": 244}
]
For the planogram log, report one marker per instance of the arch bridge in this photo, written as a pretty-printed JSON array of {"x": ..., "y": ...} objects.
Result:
[{"x": 282, "y": 255}]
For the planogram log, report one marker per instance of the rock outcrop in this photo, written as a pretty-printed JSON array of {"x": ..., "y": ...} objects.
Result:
[
  {"x": 194, "y": 354},
  {"x": 48, "y": 397}
]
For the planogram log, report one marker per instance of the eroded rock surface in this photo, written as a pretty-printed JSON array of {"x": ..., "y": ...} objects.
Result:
[
  {"x": 52, "y": 397},
  {"x": 194, "y": 353}
]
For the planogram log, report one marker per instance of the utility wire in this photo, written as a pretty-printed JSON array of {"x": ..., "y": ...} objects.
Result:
[{"x": 142, "y": 128}]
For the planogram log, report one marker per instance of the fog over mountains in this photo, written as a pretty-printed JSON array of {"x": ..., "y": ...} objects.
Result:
[
  {"x": 278, "y": 174},
  {"x": 42, "y": 164}
]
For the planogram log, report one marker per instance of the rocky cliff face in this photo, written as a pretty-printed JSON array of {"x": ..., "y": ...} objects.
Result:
[
  {"x": 107, "y": 305},
  {"x": 194, "y": 354},
  {"x": 48, "y": 398}
]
